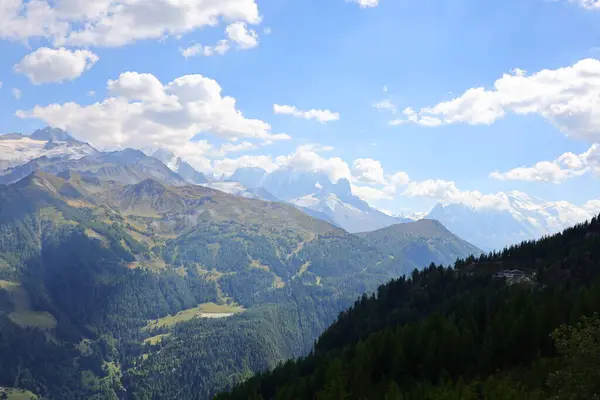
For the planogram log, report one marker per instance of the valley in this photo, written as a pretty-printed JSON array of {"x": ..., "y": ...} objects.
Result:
[
  {"x": 135, "y": 282},
  {"x": 163, "y": 278}
]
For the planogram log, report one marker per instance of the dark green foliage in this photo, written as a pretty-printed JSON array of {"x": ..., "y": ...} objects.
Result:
[
  {"x": 461, "y": 334},
  {"x": 102, "y": 273}
]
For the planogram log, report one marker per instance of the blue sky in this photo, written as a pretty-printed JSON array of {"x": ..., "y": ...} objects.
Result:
[{"x": 328, "y": 55}]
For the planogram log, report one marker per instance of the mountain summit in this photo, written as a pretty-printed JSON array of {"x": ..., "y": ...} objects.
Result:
[
  {"x": 17, "y": 149},
  {"x": 317, "y": 194},
  {"x": 52, "y": 134},
  {"x": 523, "y": 218}
]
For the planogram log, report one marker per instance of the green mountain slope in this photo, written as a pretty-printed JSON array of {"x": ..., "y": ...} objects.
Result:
[
  {"x": 87, "y": 265},
  {"x": 463, "y": 333},
  {"x": 110, "y": 290},
  {"x": 421, "y": 242}
]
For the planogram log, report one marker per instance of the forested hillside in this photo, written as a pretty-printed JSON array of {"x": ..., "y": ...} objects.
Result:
[
  {"x": 478, "y": 331},
  {"x": 149, "y": 291},
  {"x": 423, "y": 242}
]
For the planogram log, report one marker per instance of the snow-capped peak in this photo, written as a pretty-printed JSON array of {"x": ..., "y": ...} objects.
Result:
[
  {"x": 16, "y": 150},
  {"x": 523, "y": 217}
]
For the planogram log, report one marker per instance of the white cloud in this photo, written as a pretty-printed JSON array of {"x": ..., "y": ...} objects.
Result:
[
  {"x": 46, "y": 65},
  {"x": 371, "y": 194},
  {"x": 91, "y": 93},
  {"x": 447, "y": 192},
  {"x": 565, "y": 167},
  {"x": 322, "y": 116},
  {"x": 369, "y": 171},
  {"x": 567, "y": 97},
  {"x": 17, "y": 93},
  {"x": 587, "y": 4},
  {"x": 365, "y": 3},
  {"x": 244, "y": 38},
  {"x": 221, "y": 48},
  {"x": 237, "y": 33},
  {"x": 385, "y": 104},
  {"x": 592, "y": 206},
  {"x": 233, "y": 148},
  {"x": 143, "y": 112},
  {"x": 139, "y": 87},
  {"x": 228, "y": 166},
  {"x": 112, "y": 23},
  {"x": 305, "y": 158},
  {"x": 399, "y": 179}
]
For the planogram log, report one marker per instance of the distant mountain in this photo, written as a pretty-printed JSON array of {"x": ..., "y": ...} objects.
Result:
[
  {"x": 126, "y": 166},
  {"x": 316, "y": 194},
  {"x": 249, "y": 177},
  {"x": 463, "y": 332},
  {"x": 17, "y": 149},
  {"x": 180, "y": 166},
  {"x": 289, "y": 183},
  {"x": 525, "y": 218},
  {"x": 52, "y": 134},
  {"x": 98, "y": 256},
  {"x": 421, "y": 243},
  {"x": 238, "y": 189},
  {"x": 98, "y": 264}
]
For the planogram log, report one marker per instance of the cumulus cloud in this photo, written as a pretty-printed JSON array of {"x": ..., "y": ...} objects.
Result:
[
  {"x": 17, "y": 93},
  {"x": 322, "y": 116},
  {"x": 47, "y": 65},
  {"x": 448, "y": 192},
  {"x": 567, "y": 166},
  {"x": 587, "y": 4},
  {"x": 592, "y": 206},
  {"x": 371, "y": 194},
  {"x": 399, "y": 179},
  {"x": 244, "y": 38},
  {"x": 305, "y": 158},
  {"x": 237, "y": 33},
  {"x": 365, "y": 3},
  {"x": 142, "y": 112},
  {"x": 221, "y": 48},
  {"x": 368, "y": 170},
  {"x": 228, "y": 166},
  {"x": 386, "y": 104},
  {"x": 567, "y": 97},
  {"x": 111, "y": 23}
]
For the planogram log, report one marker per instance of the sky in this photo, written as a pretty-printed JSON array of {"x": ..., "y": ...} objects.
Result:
[{"x": 415, "y": 102}]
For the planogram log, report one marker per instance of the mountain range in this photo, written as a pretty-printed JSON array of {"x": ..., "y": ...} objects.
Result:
[
  {"x": 120, "y": 278},
  {"x": 522, "y": 218},
  {"x": 17, "y": 149},
  {"x": 467, "y": 332},
  {"x": 315, "y": 192},
  {"x": 110, "y": 270}
]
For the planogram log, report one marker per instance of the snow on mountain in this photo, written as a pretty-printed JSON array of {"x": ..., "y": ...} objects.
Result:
[
  {"x": 317, "y": 195},
  {"x": 178, "y": 165},
  {"x": 522, "y": 217},
  {"x": 17, "y": 150},
  {"x": 250, "y": 177},
  {"x": 345, "y": 215},
  {"x": 415, "y": 216},
  {"x": 238, "y": 189}
]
